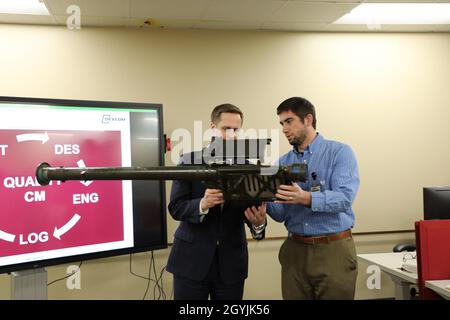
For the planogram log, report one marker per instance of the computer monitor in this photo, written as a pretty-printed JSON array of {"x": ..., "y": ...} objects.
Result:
[
  {"x": 78, "y": 220},
  {"x": 436, "y": 203}
]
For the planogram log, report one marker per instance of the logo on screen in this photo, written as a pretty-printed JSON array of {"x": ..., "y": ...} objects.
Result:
[{"x": 107, "y": 118}]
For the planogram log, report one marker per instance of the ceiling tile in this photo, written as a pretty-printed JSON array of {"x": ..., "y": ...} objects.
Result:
[
  {"x": 405, "y": 1},
  {"x": 444, "y": 28},
  {"x": 59, "y": 7},
  {"x": 322, "y": 1},
  {"x": 241, "y": 10},
  {"x": 410, "y": 28},
  {"x": 311, "y": 12},
  {"x": 87, "y": 21},
  {"x": 228, "y": 25},
  {"x": 26, "y": 19},
  {"x": 97, "y": 8},
  {"x": 328, "y": 27},
  {"x": 168, "y": 9},
  {"x": 285, "y": 15},
  {"x": 161, "y": 23},
  {"x": 293, "y": 26}
]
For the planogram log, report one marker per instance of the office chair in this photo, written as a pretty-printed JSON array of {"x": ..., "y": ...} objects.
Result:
[
  {"x": 401, "y": 247},
  {"x": 433, "y": 255}
]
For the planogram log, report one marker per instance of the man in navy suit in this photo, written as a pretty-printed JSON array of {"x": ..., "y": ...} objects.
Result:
[{"x": 209, "y": 256}]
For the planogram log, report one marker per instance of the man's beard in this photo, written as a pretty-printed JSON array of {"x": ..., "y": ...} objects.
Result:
[{"x": 298, "y": 140}]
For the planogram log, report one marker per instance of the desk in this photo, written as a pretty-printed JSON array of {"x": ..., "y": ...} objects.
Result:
[
  {"x": 440, "y": 287},
  {"x": 391, "y": 263}
]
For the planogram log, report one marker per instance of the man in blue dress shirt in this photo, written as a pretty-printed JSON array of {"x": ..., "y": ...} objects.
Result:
[{"x": 318, "y": 259}]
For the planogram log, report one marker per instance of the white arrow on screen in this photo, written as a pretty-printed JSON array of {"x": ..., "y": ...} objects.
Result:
[
  {"x": 69, "y": 225},
  {"x": 81, "y": 164},
  {"x": 7, "y": 236},
  {"x": 33, "y": 137}
]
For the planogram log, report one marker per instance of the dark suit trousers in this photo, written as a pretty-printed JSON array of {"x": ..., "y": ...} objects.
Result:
[{"x": 212, "y": 286}]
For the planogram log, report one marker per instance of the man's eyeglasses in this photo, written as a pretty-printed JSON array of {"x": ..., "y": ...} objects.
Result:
[{"x": 409, "y": 256}]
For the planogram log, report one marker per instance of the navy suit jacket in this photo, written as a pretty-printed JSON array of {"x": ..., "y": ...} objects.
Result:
[{"x": 196, "y": 240}]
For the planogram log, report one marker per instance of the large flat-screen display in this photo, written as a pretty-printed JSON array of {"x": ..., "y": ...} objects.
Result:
[
  {"x": 436, "y": 203},
  {"x": 77, "y": 220}
]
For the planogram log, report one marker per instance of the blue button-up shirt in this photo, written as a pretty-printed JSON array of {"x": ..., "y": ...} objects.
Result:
[{"x": 333, "y": 169}]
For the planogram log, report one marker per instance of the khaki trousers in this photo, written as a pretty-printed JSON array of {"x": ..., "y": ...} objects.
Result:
[{"x": 324, "y": 271}]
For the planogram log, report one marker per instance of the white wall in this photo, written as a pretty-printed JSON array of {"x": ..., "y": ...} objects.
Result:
[{"x": 384, "y": 94}]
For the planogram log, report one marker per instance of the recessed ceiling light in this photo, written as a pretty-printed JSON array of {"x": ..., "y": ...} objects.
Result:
[
  {"x": 36, "y": 7},
  {"x": 397, "y": 13}
]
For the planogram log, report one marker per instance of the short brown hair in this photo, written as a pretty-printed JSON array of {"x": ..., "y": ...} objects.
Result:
[
  {"x": 300, "y": 106},
  {"x": 225, "y": 108}
]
